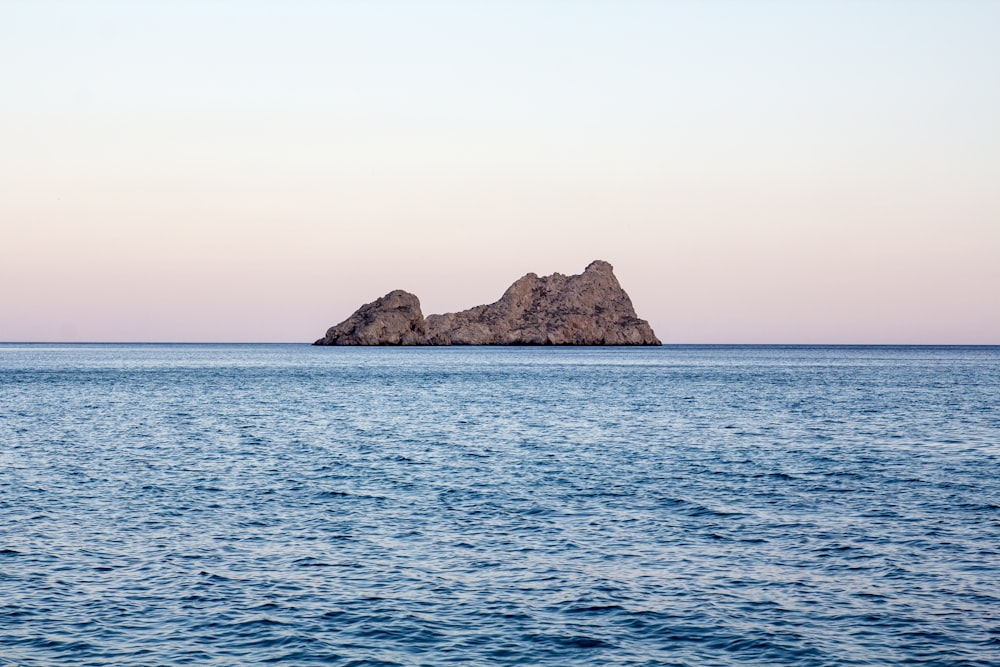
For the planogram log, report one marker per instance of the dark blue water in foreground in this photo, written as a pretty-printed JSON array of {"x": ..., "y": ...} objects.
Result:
[{"x": 224, "y": 505}]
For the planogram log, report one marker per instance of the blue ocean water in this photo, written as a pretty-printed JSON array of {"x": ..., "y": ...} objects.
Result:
[{"x": 249, "y": 504}]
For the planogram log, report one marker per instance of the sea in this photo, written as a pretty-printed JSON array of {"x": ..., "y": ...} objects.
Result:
[{"x": 681, "y": 505}]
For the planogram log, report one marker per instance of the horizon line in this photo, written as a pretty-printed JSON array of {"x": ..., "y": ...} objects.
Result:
[{"x": 733, "y": 344}]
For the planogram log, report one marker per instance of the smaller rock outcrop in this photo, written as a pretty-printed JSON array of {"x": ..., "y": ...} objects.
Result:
[
  {"x": 395, "y": 319},
  {"x": 586, "y": 309}
]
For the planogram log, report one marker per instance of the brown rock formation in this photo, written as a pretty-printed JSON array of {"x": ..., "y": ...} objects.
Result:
[
  {"x": 395, "y": 319},
  {"x": 586, "y": 309}
]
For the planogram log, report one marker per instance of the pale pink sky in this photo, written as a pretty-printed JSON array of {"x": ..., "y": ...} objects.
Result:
[{"x": 756, "y": 173}]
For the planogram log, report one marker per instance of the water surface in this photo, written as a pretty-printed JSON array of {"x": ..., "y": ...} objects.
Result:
[{"x": 245, "y": 504}]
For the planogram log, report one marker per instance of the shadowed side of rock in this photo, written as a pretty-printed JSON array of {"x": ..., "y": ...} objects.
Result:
[{"x": 586, "y": 309}]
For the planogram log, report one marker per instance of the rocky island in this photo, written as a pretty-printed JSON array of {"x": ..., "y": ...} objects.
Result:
[{"x": 586, "y": 309}]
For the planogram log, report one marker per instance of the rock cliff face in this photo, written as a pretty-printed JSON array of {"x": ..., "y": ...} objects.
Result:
[{"x": 586, "y": 309}]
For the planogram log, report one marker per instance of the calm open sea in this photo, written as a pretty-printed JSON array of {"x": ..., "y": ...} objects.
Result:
[{"x": 244, "y": 504}]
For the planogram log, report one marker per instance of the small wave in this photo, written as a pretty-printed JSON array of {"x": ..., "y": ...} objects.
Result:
[
  {"x": 593, "y": 609},
  {"x": 572, "y": 641},
  {"x": 309, "y": 561}
]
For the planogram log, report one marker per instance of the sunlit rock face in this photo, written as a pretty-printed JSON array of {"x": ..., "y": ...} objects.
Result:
[{"x": 586, "y": 309}]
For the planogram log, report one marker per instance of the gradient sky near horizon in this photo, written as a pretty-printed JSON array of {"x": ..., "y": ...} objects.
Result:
[{"x": 757, "y": 172}]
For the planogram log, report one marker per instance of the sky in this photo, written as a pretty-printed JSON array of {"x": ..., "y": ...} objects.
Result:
[{"x": 756, "y": 172}]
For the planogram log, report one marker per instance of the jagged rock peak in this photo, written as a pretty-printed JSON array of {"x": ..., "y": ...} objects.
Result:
[
  {"x": 599, "y": 265},
  {"x": 586, "y": 309}
]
